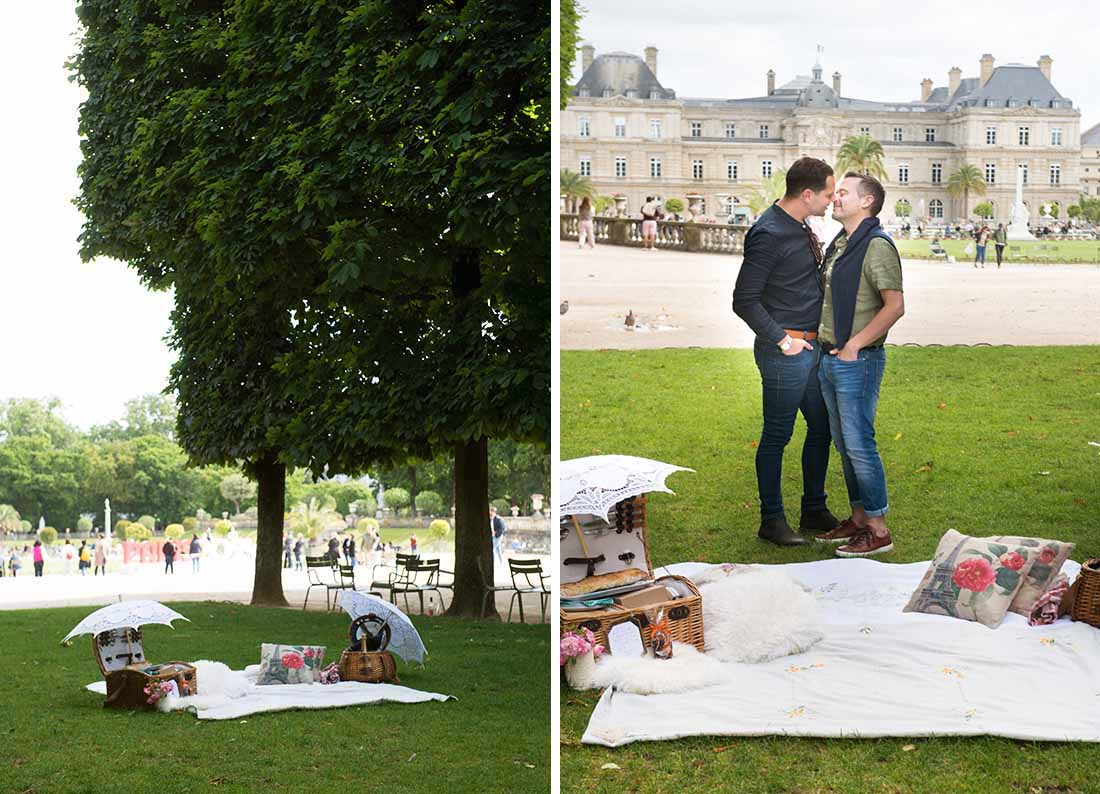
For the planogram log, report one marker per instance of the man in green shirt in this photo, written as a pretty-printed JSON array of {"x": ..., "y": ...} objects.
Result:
[
  {"x": 1000, "y": 238},
  {"x": 863, "y": 300}
]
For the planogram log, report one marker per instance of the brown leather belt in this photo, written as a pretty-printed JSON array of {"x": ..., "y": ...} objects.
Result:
[{"x": 807, "y": 335}]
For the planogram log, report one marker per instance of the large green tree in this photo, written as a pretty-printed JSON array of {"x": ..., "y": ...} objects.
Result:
[
  {"x": 966, "y": 180},
  {"x": 570, "y": 16},
  {"x": 862, "y": 154}
]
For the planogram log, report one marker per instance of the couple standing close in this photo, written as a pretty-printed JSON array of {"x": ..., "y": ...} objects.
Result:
[{"x": 821, "y": 321}]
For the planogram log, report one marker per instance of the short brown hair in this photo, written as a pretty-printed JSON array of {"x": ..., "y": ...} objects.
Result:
[
  {"x": 807, "y": 173},
  {"x": 869, "y": 186}
]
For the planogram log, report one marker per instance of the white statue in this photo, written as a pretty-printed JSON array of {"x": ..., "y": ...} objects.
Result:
[
  {"x": 107, "y": 518},
  {"x": 1021, "y": 218}
]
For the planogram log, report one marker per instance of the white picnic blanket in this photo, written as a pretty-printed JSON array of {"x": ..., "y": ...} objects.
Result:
[
  {"x": 882, "y": 672},
  {"x": 234, "y": 694}
]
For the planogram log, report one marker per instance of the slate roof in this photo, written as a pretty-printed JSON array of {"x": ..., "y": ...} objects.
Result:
[
  {"x": 1091, "y": 136},
  {"x": 621, "y": 72}
]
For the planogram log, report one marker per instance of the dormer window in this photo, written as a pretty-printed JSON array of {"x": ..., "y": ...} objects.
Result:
[
  {"x": 654, "y": 94},
  {"x": 607, "y": 93},
  {"x": 583, "y": 91},
  {"x": 631, "y": 93}
]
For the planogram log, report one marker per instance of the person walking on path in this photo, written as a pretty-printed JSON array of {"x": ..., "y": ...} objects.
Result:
[
  {"x": 651, "y": 213},
  {"x": 39, "y": 562},
  {"x": 100, "y": 556},
  {"x": 13, "y": 562},
  {"x": 586, "y": 225},
  {"x": 981, "y": 237},
  {"x": 169, "y": 550},
  {"x": 68, "y": 555},
  {"x": 349, "y": 552},
  {"x": 298, "y": 544},
  {"x": 1000, "y": 239},
  {"x": 333, "y": 550},
  {"x": 85, "y": 558},
  {"x": 498, "y": 528},
  {"x": 195, "y": 552},
  {"x": 779, "y": 295},
  {"x": 863, "y": 300},
  {"x": 288, "y": 548}
]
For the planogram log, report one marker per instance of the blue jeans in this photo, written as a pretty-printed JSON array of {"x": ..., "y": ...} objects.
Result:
[
  {"x": 979, "y": 254},
  {"x": 790, "y": 384},
  {"x": 850, "y": 389},
  {"x": 497, "y": 550}
]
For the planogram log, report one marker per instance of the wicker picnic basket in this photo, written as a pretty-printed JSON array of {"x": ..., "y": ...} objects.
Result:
[
  {"x": 1084, "y": 595},
  {"x": 120, "y": 654},
  {"x": 684, "y": 615},
  {"x": 375, "y": 666}
]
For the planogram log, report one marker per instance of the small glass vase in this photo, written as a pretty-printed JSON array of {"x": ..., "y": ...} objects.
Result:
[{"x": 580, "y": 671}]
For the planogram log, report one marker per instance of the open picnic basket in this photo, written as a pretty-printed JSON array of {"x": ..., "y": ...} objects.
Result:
[
  {"x": 120, "y": 654},
  {"x": 592, "y": 547},
  {"x": 371, "y": 663},
  {"x": 1082, "y": 601}
]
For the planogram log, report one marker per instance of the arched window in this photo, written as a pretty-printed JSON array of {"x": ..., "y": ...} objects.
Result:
[{"x": 935, "y": 209}]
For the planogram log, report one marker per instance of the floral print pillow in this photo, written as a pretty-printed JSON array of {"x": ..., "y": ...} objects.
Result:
[
  {"x": 973, "y": 578},
  {"x": 290, "y": 664},
  {"x": 1051, "y": 555}
]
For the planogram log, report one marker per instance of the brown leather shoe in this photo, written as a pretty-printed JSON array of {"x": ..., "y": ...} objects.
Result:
[
  {"x": 866, "y": 544},
  {"x": 847, "y": 530}
]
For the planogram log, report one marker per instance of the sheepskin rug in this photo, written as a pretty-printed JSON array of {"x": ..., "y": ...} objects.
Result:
[
  {"x": 644, "y": 675},
  {"x": 217, "y": 686},
  {"x": 754, "y": 614}
]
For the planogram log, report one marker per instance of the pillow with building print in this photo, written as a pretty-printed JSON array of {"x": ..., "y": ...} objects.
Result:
[
  {"x": 1051, "y": 555},
  {"x": 290, "y": 664},
  {"x": 973, "y": 578}
]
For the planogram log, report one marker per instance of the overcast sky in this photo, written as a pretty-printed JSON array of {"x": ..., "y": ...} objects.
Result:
[
  {"x": 882, "y": 51},
  {"x": 87, "y": 333}
]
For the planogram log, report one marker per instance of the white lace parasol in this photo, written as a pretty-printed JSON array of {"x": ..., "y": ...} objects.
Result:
[
  {"x": 404, "y": 638},
  {"x": 597, "y": 483},
  {"x": 125, "y": 615}
]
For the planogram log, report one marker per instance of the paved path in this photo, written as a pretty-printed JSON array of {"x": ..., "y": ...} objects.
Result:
[
  {"x": 683, "y": 300},
  {"x": 218, "y": 580}
]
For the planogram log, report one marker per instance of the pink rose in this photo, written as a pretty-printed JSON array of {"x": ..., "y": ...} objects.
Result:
[
  {"x": 309, "y": 653},
  {"x": 292, "y": 661},
  {"x": 1047, "y": 555},
  {"x": 1013, "y": 561},
  {"x": 974, "y": 574}
]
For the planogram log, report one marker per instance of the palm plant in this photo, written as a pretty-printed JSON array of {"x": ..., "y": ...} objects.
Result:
[
  {"x": 967, "y": 178},
  {"x": 575, "y": 187},
  {"x": 10, "y": 520},
  {"x": 772, "y": 189},
  {"x": 314, "y": 517},
  {"x": 862, "y": 154}
]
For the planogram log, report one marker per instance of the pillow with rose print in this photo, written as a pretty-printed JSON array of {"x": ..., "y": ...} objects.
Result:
[
  {"x": 1051, "y": 555},
  {"x": 972, "y": 578},
  {"x": 290, "y": 664}
]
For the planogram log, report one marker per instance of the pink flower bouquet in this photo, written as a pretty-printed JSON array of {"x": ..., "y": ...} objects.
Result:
[{"x": 578, "y": 643}]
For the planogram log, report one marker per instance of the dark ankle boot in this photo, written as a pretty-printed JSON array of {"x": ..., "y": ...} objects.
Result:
[
  {"x": 818, "y": 521},
  {"x": 775, "y": 529}
]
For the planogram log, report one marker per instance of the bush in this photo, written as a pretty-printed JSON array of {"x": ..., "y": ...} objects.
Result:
[
  {"x": 365, "y": 506},
  {"x": 173, "y": 531},
  {"x": 221, "y": 528},
  {"x": 439, "y": 531},
  {"x": 148, "y": 522},
  {"x": 253, "y": 512},
  {"x": 984, "y": 210},
  {"x": 429, "y": 503},
  {"x": 24, "y": 525},
  {"x": 202, "y": 515},
  {"x": 120, "y": 527},
  {"x": 365, "y": 524},
  {"x": 136, "y": 532},
  {"x": 48, "y": 535},
  {"x": 84, "y": 524},
  {"x": 396, "y": 498},
  {"x": 503, "y": 506},
  {"x": 674, "y": 205},
  {"x": 903, "y": 210},
  {"x": 191, "y": 525}
]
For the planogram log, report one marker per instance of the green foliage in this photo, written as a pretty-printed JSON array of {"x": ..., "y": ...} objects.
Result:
[
  {"x": 396, "y": 498},
  {"x": 1090, "y": 208},
  {"x": 902, "y": 209},
  {"x": 120, "y": 526},
  {"x": 1055, "y": 209},
  {"x": 602, "y": 204},
  {"x": 222, "y": 527},
  {"x": 366, "y": 524},
  {"x": 150, "y": 415},
  {"x": 772, "y": 189},
  {"x": 148, "y": 522},
  {"x": 576, "y": 187},
  {"x": 983, "y": 209},
  {"x": 1073, "y": 211},
  {"x": 313, "y": 518},
  {"x": 190, "y": 525},
  {"x": 365, "y": 506},
  {"x": 570, "y": 14},
  {"x": 237, "y": 489},
  {"x": 503, "y": 506},
  {"x": 429, "y": 503},
  {"x": 24, "y": 526},
  {"x": 48, "y": 535},
  {"x": 439, "y": 531},
  {"x": 674, "y": 205},
  {"x": 968, "y": 178},
  {"x": 136, "y": 531},
  {"x": 862, "y": 154},
  {"x": 10, "y": 521},
  {"x": 84, "y": 524},
  {"x": 174, "y": 531}
]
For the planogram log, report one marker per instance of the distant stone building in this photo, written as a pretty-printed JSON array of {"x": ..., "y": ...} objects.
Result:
[{"x": 633, "y": 136}]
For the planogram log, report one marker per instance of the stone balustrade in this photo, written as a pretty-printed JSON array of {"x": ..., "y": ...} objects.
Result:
[{"x": 711, "y": 238}]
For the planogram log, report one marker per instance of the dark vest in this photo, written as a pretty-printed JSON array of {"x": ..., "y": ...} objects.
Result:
[{"x": 846, "y": 274}]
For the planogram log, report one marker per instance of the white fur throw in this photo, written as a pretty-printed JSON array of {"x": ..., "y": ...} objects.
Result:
[
  {"x": 757, "y": 614},
  {"x": 645, "y": 675}
]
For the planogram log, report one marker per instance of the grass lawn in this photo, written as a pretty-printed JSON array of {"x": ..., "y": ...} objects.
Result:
[
  {"x": 494, "y": 738},
  {"x": 985, "y": 440},
  {"x": 1029, "y": 251}
]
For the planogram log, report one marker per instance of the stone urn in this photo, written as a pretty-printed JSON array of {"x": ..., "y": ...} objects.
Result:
[
  {"x": 695, "y": 205},
  {"x": 620, "y": 206},
  {"x": 536, "y": 502}
]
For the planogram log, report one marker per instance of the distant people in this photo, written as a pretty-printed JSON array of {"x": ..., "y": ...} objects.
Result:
[
  {"x": 196, "y": 553},
  {"x": 412, "y": 543},
  {"x": 651, "y": 212},
  {"x": 333, "y": 550},
  {"x": 85, "y": 557},
  {"x": 288, "y": 549},
  {"x": 169, "y": 550},
  {"x": 344, "y": 546},
  {"x": 100, "y": 557},
  {"x": 349, "y": 551},
  {"x": 14, "y": 563},
  {"x": 981, "y": 238},
  {"x": 586, "y": 226},
  {"x": 68, "y": 556},
  {"x": 1000, "y": 238},
  {"x": 498, "y": 528},
  {"x": 298, "y": 546},
  {"x": 38, "y": 561}
]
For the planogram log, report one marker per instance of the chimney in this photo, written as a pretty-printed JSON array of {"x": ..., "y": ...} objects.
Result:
[
  {"x": 771, "y": 82},
  {"x": 954, "y": 77},
  {"x": 588, "y": 52},
  {"x": 651, "y": 59},
  {"x": 987, "y": 68},
  {"x": 836, "y": 83},
  {"x": 1044, "y": 66},
  {"x": 925, "y": 89}
]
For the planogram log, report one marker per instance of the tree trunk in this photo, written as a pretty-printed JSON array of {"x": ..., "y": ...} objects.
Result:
[
  {"x": 267, "y": 587},
  {"x": 472, "y": 535},
  {"x": 412, "y": 490}
]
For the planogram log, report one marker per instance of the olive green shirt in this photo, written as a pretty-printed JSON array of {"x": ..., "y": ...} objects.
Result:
[{"x": 881, "y": 270}]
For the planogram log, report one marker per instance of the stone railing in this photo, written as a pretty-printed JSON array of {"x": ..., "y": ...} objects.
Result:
[{"x": 711, "y": 238}]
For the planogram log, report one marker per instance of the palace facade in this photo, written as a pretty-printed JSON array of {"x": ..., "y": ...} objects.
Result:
[{"x": 632, "y": 136}]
